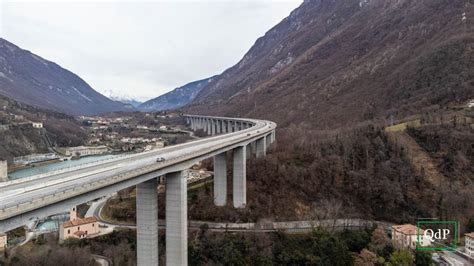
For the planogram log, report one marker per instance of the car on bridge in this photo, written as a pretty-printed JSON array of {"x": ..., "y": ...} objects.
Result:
[{"x": 160, "y": 159}]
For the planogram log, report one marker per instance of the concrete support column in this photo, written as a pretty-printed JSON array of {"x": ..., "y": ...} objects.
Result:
[
  {"x": 249, "y": 151},
  {"x": 253, "y": 146},
  {"x": 213, "y": 127},
  {"x": 224, "y": 126},
  {"x": 209, "y": 125},
  {"x": 239, "y": 180},
  {"x": 218, "y": 129},
  {"x": 147, "y": 223},
  {"x": 3, "y": 171},
  {"x": 176, "y": 219},
  {"x": 236, "y": 127},
  {"x": 229, "y": 126},
  {"x": 261, "y": 147},
  {"x": 220, "y": 179},
  {"x": 268, "y": 140}
]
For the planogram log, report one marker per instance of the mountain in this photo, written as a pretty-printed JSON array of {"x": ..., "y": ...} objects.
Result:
[
  {"x": 334, "y": 63},
  {"x": 132, "y": 102},
  {"x": 177, "y": 97},
  {"x": 31, "y": 79}
]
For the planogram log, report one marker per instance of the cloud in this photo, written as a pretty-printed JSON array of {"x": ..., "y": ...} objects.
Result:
[{"x": 140, "y": 49}]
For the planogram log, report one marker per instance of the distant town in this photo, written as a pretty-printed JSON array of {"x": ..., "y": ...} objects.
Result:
[{"x": 112, "y": 134}]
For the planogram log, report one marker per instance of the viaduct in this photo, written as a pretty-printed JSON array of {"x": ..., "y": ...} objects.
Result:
[{"x": 54, "y": 192}]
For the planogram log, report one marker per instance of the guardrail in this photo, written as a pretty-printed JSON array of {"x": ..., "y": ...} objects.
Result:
[
  {"x": 100, "y": 182},
  {"x": 59, "y": 171}
]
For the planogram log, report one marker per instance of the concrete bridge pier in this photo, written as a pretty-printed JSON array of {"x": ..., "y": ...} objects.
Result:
[
  {"x": 213, "y": 127},
  {"x": 224, "y": 127},
  {"x": 220, "y": 179},
  {"x": 209, "y": 125},
  {"x": 261, "y": 147},
  {"x": 204, "y": 125},
  {"x": 229, "y": 127},
  {"x": 218, "y": 126},
  {"x": 253, "y": 147},
  {"x": 3, "y": 171},
  {"x": 239, "y": 180},
  {"x": 268, "y": 140},
  {"x": 176, "y": 219},
  {"x": 147, "y": 223}
]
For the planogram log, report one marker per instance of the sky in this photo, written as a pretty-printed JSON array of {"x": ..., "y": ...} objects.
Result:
[{"x": 140, "y": 49}]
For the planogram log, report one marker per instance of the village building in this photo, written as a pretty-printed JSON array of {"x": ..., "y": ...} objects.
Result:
[
  {"x": 79, "y": 228},
  {"x": 85, "y": 150},
  {"x": 3, "y": 242},
  {"x": 159, "y": 143},
  {"x": 37, "y": 124},
  {"x": 35, "y": 158},
  {"x": 470, "y": 104},
  {"x": 406, "y": 236},
  {"x": 469, "y": 244}
]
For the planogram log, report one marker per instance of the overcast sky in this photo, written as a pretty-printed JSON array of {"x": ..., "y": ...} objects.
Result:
[{"x": 140, "y": 49}]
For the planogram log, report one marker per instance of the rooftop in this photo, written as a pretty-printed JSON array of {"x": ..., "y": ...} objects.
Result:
[
  {"x": 79, "y": 233},
  {"x": 471, "y": 234},
  {"x": 80, "y": 221},
  {"x": 407, "y": 229}
]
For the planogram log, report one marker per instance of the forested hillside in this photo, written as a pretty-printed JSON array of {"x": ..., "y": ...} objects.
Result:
[{"x": 20, "y": 138}]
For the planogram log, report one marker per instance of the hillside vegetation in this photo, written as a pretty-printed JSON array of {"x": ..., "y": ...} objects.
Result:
[{"x": 22, "y": 139}]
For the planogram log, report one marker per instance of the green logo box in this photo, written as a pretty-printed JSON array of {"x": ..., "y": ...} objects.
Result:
[{"x": 452, "y": 247}]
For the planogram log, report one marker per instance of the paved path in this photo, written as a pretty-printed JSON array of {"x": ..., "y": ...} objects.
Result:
[
  {"x": 103, "y": 261},
  {"x": 289, "y": 226},
  {"x": 190, "y": 133}
]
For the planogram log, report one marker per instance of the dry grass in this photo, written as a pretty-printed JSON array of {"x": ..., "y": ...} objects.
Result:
[{"x": 403, "y": 126}]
